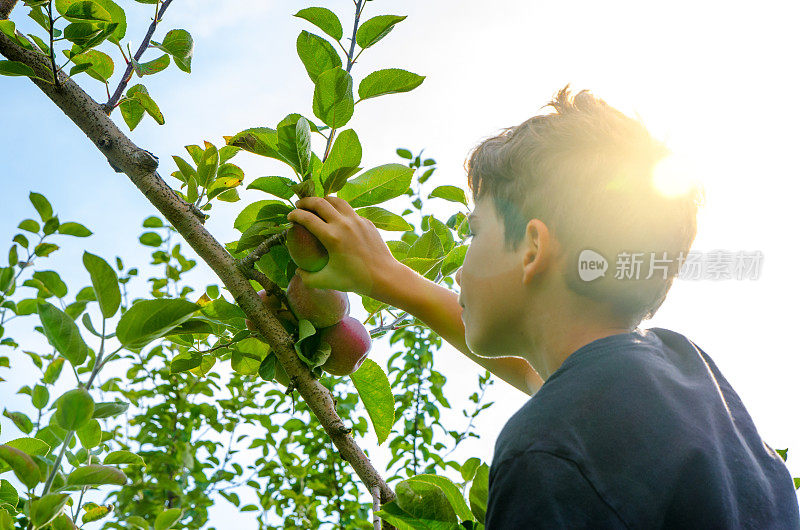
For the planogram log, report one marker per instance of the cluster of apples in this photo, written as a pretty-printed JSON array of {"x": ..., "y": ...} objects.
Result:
[{"x": 328, "y": 310}]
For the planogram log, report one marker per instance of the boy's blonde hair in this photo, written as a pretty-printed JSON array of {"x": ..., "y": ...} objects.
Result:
[{"x": 586, "y": 171}]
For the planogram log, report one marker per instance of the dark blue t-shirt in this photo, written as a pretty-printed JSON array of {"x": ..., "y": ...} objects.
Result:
[{"x": 637, "y": 430}]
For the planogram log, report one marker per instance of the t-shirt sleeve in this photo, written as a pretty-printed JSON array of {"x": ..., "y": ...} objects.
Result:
[{"x": 541, "y": 490}]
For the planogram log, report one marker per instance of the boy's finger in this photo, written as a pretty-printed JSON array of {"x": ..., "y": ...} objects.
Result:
[
  {"x": 320, "y": 206},
  {"x": 312, "y": 222},
  {"x": 341, "y": 205}
]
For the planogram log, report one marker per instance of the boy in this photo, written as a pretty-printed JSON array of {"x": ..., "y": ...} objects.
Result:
[{"x": 627, "y": 427}]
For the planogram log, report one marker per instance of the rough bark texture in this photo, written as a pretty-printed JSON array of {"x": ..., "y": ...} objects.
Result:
[
  {"x": 5, "y": 8},
  {"x": 140, "y": 166}
]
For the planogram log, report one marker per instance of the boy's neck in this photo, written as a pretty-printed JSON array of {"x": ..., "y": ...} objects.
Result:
[{"x": 558, "y": 343}]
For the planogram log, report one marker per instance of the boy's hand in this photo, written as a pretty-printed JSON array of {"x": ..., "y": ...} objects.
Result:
[{"x": 358, "y": 258}]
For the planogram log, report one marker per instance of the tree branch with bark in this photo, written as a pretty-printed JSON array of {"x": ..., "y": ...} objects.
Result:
[{"x": 140, "y": 167}]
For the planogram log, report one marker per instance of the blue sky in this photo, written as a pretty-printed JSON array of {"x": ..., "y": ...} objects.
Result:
[{"x": 714, "y": 80}]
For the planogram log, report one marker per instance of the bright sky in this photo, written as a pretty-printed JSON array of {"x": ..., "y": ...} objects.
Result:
[{"x": 712, "y": 79}]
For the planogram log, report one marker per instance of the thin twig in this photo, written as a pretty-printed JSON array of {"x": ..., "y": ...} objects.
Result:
[
  {"x": 109, "y": 106},
  {"x": 52, "y": 51},
  {"x": 350, "y": 63},
  {"x": 271, "y": 288},
  {"x": 250, "y": 260}
]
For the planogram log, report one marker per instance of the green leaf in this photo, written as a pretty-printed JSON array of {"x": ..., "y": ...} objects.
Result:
[
  {"x": 45, "y": 249},
  {"x": 74, "y": 409},
  {"x": 375, "y": 29},
  {"x": 47, "y": 508},
  {"x": 30, "y": 446},
  {"x": 303, "y": 142},
  {"x": 96, "y": 475},
  {"x": 451, "y": 491},
  {"x": 117, "y": 16},
  {"x": 87, "y": 35},
  {"x": 388, "y": 81},
  {"x": 179, "y": 44},
  {"x": 426, "y": 267},
  {"x": 30, "y": 225},
  {"x": 8, "y": 495},
  {"x": 342, "y": 161},
  {"x": 40, "y": 396},
  {"x": 95, "y": 63},
  {"x": 248, "y": 215},
  {"x": 151, "y": 239},
  {"x": 104, "y": 282},
  {"x": 16, "y": 68},
  {"x": 317, "y": 54},
  {"x": 260, "y": 141},
  {"x": 376, "y": 393},
  {"x": 278, "y": 186},
  {"x": 404, "y": 153},
  {"x": 167, "y": 518},
  {"x": 184, "y": 362},
  {"x": 208, "y": 165},
  {"x": 109, "y": 409},
  {"x": 479, "y": 492},
  {"x": 10, "y": 29},
  {"x": 151, "y": 67},
  {"x": 377, "y": 185},
  {"x": 136, "y": 103},
  {"x": 424, "y": 500},
  {"x": 312, "y": 352},
  {"x": 153, "y": 221},
  {"x": 427, "y": 246},
  {"x": 454, "y": 259},
  {"x": 247, "y": 355},
  {"x": 149, "y": 320},
  {"x": 90, "y": 434},
  {"x": 52, "y": 281},
  {"x": 85, "y": 11},
  {"x": 132, "y": 112},
  {"x": 42, "y": 206},
  {"x": 402, "y": 520},
  {"x": 442, "y": 231},
  {"x": 95, "y": 513},
  {"x": 53, "y": 371},
  {"x": 6, "y": 521},
  {"x": 324, "y": 19},
  {"x": 74, "y": 229},
  {"x": 449, "y": 193},
  {"x": 384, "y": 219},
  {"x": 62, "y": 333},
  {"x": 23, "y": 465},
  {"x": 123, "y": 457},
  {"x": 22, "y": 421},
  {"x": 333, "y": 97}
]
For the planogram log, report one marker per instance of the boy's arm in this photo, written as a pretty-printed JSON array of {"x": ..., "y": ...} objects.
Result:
[
  {"x": 438, "y": 307},
  {"x": 360, "y": 261}
]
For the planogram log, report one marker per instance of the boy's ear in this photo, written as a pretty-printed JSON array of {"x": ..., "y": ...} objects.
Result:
[{"x": 538, "y": 250}]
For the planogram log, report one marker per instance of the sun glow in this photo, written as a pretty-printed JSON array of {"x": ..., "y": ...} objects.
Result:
[{"x": 674, "y": 176}]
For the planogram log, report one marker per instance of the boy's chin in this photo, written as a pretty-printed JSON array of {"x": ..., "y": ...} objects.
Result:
[{"x": 482, "y": 348}]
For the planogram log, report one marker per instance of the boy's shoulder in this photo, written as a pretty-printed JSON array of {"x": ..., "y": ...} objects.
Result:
[
  {"x": 650, "y": 429},
  {"x": 608, "y": 385}
]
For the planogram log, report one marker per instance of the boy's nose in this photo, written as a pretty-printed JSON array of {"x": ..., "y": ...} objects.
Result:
[{"x": 458, "y": 276}]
